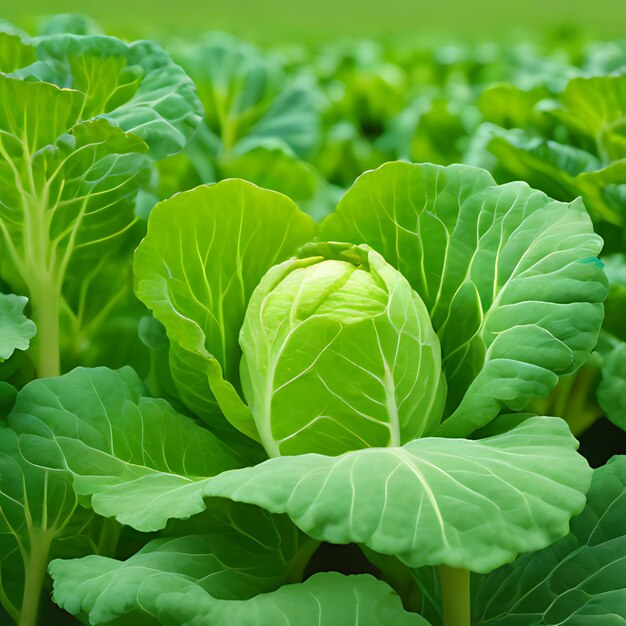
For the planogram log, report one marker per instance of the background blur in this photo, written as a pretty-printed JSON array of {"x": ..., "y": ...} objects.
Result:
[{"x": 265, "y": 21}]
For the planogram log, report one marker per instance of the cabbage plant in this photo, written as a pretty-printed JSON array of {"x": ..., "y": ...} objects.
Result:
[
  {"x": 256, "y": 390},
  {"x": 384, "y": 378}
]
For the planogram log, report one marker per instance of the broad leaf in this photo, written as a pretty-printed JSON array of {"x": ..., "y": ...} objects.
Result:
[
  {"x": 593, "y": 109},
  {"x": 468, "y": 504},
  {"x": 471, "y": 504},
  {"x": 205, "y": 252},
  {"x": 14, "y": 53},
  {"x": 134, "y": 86},
  {"x": 577, "y": 581},
  {"x": 70, "y": 189},
  {"x": 69, "y": 23},
  {"x": 274, "y": 168},
  {"x": 510, "y": 277},
  {"x": 247, "y": 98},
  {"x": 184, "y": 580},
  {"x": 234, "y": 553},
  {"x": 101, "y": 416},
  {"x": 94, "y": 586},
  {"x": 16, "y": 330},
  {"x": 510, "y": 106},
  {"x": 563, "y": 171},
  {"x": 259, "y": 123}
]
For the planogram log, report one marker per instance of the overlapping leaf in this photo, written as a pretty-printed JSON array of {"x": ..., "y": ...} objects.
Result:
[
  {"x": 232, "y": 552},
  {"x": 327, "y": 599},
  {"x": 469, "y": 504},
  {"x": 247, "y": 98},
  {"x": 14, "y": 53},
  {"x": 101, "y": 416},
  {"x": 564, "y": 172},
  {"x": 593, "y": 109},
  {"x": 39, "y": 516},
  {"x": 472, "y": 504},
  {"x": 574, "y": 582},
  {"x": 69, "y": 195},
  {"x": 134, "y": 86},
  {"x": 612, "y": 388}
]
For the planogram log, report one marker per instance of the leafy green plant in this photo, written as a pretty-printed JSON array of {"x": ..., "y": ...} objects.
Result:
[
  {"x": 88, "y": 116},
  {"x": 341, "y": 327},
  {"x": 238, "y": 405}
]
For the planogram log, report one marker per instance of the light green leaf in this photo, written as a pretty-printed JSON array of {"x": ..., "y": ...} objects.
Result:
[
  {"x": 593, "y": 108},
  {"x": 577, "y": 581},
  {"x": 342, "y": 328},
  {"x": 612, "y": 388},
  {"x": 69, "y": 23},
  {"x": 69, "y": 193},
  {"x": 14, "y": 52},
  {"x": 16, "y": 330},
  {"x": 273, "y": 167},
  {"x": 247, "y": 98},
  {"x": 102, "y": 417},
  {"x": 562, "y": 171},
  {"x": 166, "y": 597},
  {"x": 205, "y": 252},
  {"x": 100, "y": 315},
  {"x": 511, "y": 106},
  {"x": 39, "y": 517},
  {"x": 134, "y": 86},
  {"x": 467, "y": 504},
  {"x": 503, "y": 270},
  {"x": 470, "y": 504},
  {"x": 234, "y": 552}
]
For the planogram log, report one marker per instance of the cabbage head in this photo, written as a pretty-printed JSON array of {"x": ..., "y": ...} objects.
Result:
[{"x": 339, "y": 354}]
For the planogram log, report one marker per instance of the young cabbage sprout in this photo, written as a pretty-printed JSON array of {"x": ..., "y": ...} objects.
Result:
[{"x": 339, "y": 354}]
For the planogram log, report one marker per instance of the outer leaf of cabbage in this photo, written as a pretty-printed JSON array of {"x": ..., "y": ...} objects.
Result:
[
  {"x": 134, "y": 86},
  {"x": 205, "y": 252},
  {"x": 576, "y": 581},
  {"x": 469, "y": 504}
]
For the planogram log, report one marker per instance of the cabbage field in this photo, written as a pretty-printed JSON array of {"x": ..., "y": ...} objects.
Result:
[{"x": 311, "y": 334}]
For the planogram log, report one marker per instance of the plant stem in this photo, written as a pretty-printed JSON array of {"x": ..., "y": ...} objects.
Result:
[
  {"x": 582, "y": 409},
  {"x": 455, "y": 593},
  {"x": 301, "y": 560},
  {"x": 45, "y": 299},
  {"x": 35, "y": 572},
  {"x": 109, "y": 537},
  {"x": 399, "y": 576}
]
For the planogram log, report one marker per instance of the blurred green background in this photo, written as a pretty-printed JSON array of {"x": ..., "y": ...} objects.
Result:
[{"x": 289, "y": 20}]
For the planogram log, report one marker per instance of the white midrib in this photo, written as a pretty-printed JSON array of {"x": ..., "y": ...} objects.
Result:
[
  {"x": 391, "y": 405},
  {"x": 264, "y": 423}
]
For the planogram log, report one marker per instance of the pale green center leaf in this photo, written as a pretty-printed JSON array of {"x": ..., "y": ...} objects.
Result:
[{"x": 342, "y": 330}]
